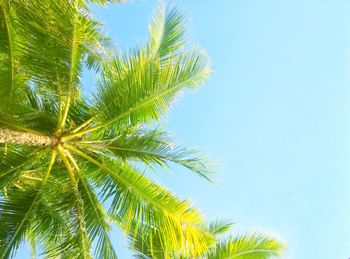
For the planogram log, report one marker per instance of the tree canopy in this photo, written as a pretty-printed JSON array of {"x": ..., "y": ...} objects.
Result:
[{"x": 71, "y": 166}]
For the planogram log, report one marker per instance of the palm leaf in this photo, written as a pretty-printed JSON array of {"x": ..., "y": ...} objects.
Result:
[
  {"x": 56, "y": 225},
  {"x": 55, "y": 39},
  {"x": 141, "y": 85},
  {"x": 15, "y": 214},
  {"x": 136, "y": 199},
  {"x": 80, "y": 227},
  {"x": 166, "y": 32},
  {"x": 36, "y": 113},
  {"x": 150, "y": 147},
  {"x": 11, "y": 80},
  {"x": 218, "y": 227},
  {"x": 249, "y": 246},
  {"x": 95, "y": 216},
  {"x": 6, "y": 56},
  {"x": 97, "y": 225},
  {"x": 138, "y": 89},
  {"x": 148, "y": 245},
  {"x": 16, "y": 161}
]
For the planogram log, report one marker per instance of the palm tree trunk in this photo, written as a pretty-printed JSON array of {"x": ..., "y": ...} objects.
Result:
[{"x": 25, "y": 138}]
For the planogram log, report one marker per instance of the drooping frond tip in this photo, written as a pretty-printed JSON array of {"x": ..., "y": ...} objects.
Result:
[
  {"x": 247, "y": 246},
  {"x": 167, "y": 31}
]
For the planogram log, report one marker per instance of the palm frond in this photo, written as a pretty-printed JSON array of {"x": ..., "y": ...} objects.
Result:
[
  {"x": 36, "y": 113},
  {"x": 148, "y": 245},
  {"x": 55, "y": 38},
  {"x": 150, "y": 147},
  {"x": 52, "y": 228},
  {"x": 95, "y": 215},
  {"x": 15, "y": 214},
  {"x": 12, "y": 82},
  {"x": 167, "y": 31},
  {"x": 17, "y": 161},
  {"x": 80, "y": 227},
  {"x": 248, "y": 246},
  {"x": 97, "y": 225},
  {"x": 218, "y": 227},
  {"x": 56, "y": 225},
  {"x": 49, "y": 36},
  {"x": 138, "y": 89},
  {"x": 6, "y": 56},
  {"x": 137, "y": 199},
  {"x": 141, "y": 86}
]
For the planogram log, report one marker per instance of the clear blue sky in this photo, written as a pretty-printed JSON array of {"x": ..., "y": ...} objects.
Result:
[{"x": 276, "y": 113}]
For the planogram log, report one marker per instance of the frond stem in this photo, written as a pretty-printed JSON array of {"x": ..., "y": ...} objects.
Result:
[
  {"x": 62, "y": 120},
  {"x": 79, "y": 203},
  {"x": 75, "y": 164},
  {"x": 84, "y": 124},
  {"x": 61, "y": 151}
]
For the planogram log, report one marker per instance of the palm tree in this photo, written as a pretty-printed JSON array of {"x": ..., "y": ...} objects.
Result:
[{"x": 72, "y": 165}]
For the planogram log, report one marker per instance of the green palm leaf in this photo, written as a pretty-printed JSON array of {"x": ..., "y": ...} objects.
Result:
[
  {"x": 150, "y": 147},
  {"x": 37, "y": 113},
  {"x": 96, "y": 218},
  {"x": 97, "y": 224},
  {"x": 167, "y": 32},
  {"x": 7, "y": 62},
  {"x": 218, "y": 227},
  {"x": 249, "y": 246},
  {"x": 58, "y": 36},
  {"x": 57, "y": 225},
  {"x": 15, "y": 213},
  {"x": 141, "y": 85},
  {"x": 15, "y": 162},
  {"x": 136, "y": 199},
  {"x": 138, "y": 89}
]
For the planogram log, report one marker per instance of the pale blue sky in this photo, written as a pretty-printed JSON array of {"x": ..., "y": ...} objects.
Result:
[{"x": 275, "y": 113}]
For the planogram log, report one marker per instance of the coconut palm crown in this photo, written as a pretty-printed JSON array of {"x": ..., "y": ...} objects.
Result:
[{"x": 70, "y": 164}]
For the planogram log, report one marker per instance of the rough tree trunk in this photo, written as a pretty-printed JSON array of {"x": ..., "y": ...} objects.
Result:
[{"x": 26, "y": 138}]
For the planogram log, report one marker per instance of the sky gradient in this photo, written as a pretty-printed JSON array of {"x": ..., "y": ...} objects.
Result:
[{"x": 275, "y": 113}]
